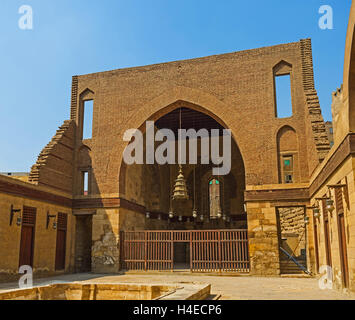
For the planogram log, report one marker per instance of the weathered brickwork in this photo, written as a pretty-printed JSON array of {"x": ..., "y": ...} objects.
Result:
[
  {"x": 338, "y": 115},
  {"x": 74, "y": 98},
  {"x": 292, "y": 229},
  {"x": 105, "y": 245},
  {"x": 263, "y": 239},
  {"x": 292, "y": 220},
  {"x": 232, "y": 84},
  {"x": 314, "y": 114},
  {"x": 233, "y": 89},
  {"x": 54, "y": 166}
]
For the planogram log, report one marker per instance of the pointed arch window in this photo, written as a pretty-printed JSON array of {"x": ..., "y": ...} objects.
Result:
[
  {"x": 88, "y": 118},
  {"x": 283, "y": 89},
  {"x": 86, "y": 114}
]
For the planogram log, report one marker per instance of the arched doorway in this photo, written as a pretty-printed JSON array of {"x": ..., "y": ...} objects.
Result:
[
  {"x": 151, "y": 185},
  {"x": 181, "y": 231}
]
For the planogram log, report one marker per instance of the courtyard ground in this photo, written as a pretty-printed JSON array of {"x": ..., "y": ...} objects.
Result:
[{"x": 223, "y": 287}]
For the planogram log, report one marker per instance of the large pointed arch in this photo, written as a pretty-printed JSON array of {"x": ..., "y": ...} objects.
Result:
[{"x": 173, "y": 99}]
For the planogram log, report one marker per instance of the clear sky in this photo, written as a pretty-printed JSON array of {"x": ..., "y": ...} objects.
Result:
[{"x": 84, "y": 36}]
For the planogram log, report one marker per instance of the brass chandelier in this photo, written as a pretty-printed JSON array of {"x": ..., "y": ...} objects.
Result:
[{"x": 180, "y": 189}]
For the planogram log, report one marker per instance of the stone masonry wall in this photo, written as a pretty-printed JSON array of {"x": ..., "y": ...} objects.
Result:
[
  {"x": 105, "y": 245},
  {"x": 292, "y": 220},
  {"x": 263, "y": 239},
  {"x": 292, "y": 228}
]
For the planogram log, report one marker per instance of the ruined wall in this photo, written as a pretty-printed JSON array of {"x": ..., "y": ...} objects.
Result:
[
  {"x": 235, "y": 88},
  {"x": 339, "y": 116},
  {"x": 292, "y": 220},
  {"x": 263, "y": 239},
  {"x": 54, "y": 166},
  {"x": 105, "y": 239},
  {"x": 317, "y": 139},
  {"x": 292, "y": 229}
]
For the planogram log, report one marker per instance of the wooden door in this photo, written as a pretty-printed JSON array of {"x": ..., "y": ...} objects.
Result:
[
  {"x": 61, "y": 241},
  {"x": 27, "y": 236},
  {"x": 343, "y": 250}
]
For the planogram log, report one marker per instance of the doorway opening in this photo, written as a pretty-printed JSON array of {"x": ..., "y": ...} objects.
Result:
[
  {"x": 292, "y": 239},
  {"x": 83, "y": 243},
  {"x": 211, "y": 201},
  {"x": 181, "y": 256}
]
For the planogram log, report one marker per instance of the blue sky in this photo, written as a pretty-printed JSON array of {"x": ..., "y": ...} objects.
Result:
[{"x": 83, "y": 36}]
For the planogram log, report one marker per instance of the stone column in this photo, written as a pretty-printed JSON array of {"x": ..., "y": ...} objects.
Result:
[{"x": 263, "y": 239}]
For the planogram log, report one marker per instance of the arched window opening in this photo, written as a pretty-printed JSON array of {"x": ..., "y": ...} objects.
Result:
[
  {"x": 287, "y": 169},
  {"x": 287, "y": 144},
  {"x": 283, "y": 89},
  {"x": 283, "y": 98},
  {"x": 88, "y": 114}
]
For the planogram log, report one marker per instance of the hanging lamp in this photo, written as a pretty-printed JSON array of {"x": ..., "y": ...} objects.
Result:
[
  {"x": 171, "y": 211},
  {"x": 219, "y": 211},
  {"x": 194, "y": 211},
  {"x": 180, "y": 189}
]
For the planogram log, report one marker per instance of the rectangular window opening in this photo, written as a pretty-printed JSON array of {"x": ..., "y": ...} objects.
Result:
[
  {"x": 283, "y": 96},
  {"x": 88, "y": 119}
]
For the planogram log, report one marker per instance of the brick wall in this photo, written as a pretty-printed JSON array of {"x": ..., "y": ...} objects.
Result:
[{"x": 236, "y": 89}]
